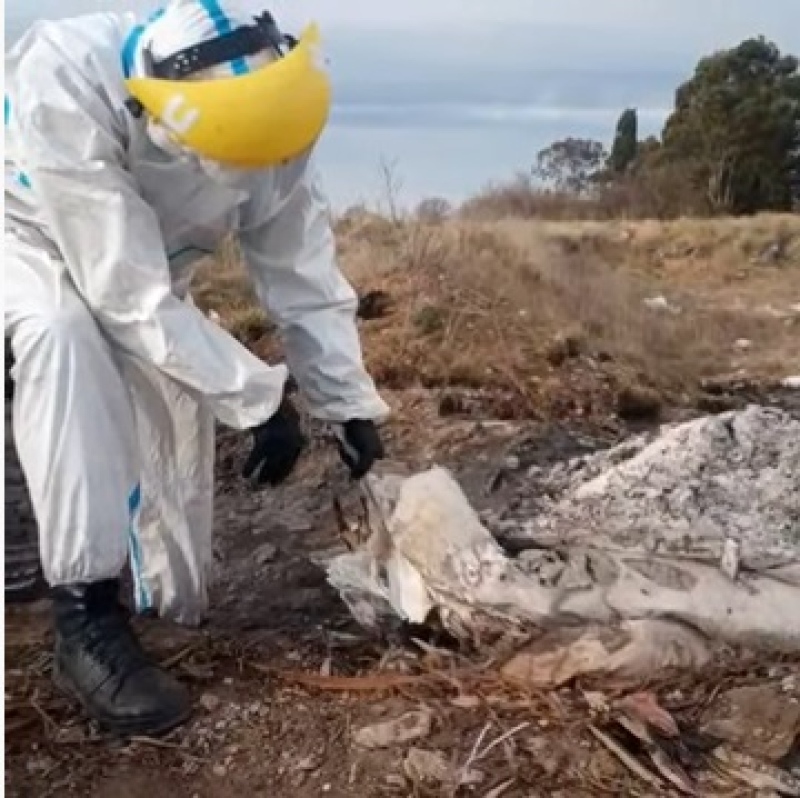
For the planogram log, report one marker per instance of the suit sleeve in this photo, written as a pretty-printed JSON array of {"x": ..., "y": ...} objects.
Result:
[
  {"x": 111, "y": 242},
  {"x": 291, "y": 253}
]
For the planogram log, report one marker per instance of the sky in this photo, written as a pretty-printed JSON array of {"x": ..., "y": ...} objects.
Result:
[{"x": 455, "y": 94}]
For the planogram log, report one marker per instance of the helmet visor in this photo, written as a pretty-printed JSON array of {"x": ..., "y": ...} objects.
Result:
[{"x": 255, "y": 120}]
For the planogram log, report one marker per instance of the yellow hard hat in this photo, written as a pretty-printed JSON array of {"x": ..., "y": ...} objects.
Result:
[{"x": 255, "y": 120}]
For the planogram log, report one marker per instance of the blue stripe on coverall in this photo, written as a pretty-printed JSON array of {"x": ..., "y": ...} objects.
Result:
[
  {"x": 132, "y": 42},
  {"x": 143, "y": 598},
  {"x": 216, "y": 15},
  {"x": 223, "y": 26},
  {"x": 20, "y": 177}
]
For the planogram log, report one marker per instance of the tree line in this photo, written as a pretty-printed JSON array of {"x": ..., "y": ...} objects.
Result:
[{"x": 731, "y": 145}]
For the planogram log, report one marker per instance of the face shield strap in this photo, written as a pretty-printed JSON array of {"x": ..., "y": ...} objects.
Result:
[{"x": 244, "y": 41}]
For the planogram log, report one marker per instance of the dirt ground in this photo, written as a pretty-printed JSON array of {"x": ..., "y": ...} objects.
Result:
[
  {"x": 283, "y": 679},
  {"x": 506, "y": 348}
]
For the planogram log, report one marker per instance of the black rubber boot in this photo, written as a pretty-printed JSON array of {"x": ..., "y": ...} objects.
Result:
[{"x": 99, "y": 662}]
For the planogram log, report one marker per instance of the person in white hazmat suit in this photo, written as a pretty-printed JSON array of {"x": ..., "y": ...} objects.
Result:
[{"x": 132, "y": 149}]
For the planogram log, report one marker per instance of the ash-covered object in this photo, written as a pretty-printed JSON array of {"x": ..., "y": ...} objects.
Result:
[
  {"x": 697, "y": 527},
  {"x": 688, "y": 490}
]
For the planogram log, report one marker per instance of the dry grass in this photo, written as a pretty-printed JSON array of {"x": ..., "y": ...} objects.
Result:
[
  {"x": 553, "y": 313},
  {"x": 656, "y": 194}
]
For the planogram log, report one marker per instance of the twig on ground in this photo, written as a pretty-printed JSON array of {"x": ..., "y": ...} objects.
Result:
[
  {"x": 502, "y": 738},
  {"x": 50, "y": 724},
  {"x": 434, "y": 650},
  {"x": 461, "y": 776},
  {"x": 171, "y": 662},
  {"x": 477, "y": 753},
  {"x": 627, "y": 759},
  {"x": 497, "y": 791}
]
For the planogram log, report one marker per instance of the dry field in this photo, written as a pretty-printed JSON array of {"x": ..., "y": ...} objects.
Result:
[{"x": 558, "y": 318}]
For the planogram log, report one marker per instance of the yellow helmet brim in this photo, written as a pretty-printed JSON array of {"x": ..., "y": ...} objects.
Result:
[{"x": 259, "y": 119}]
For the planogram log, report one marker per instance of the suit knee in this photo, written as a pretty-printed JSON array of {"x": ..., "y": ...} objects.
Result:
[{"x": 51, "y": 332}]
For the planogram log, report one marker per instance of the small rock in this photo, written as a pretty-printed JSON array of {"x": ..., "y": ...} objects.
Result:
[
  {"x": 738, "y": 714},
  {"x": 433, "y": 767},
  {"x": 637, "y": 402},
  {"x": 220, "y": 770},
  {"x": 512, "y": 463},
  {"x": 773, "y": 253},
  {"x": 395, "y": 780},
  {"x": 598, "y": 702},
  {"x": 563, "y": 347},
  {"x": 405, "y": 729},
  {"x": 39, "y": 764},
  {"x": 743, "y": 344},
  {"x": 374, "y": 305},
  {"x": 660, "y": 304},
  {"x": 265, "y": 553},
  {"x": 427, "y": 766},
  {"x": 793, "y": 383},
  {"x": 306, "y": 763},
  {"x": 209, "y": 702},
  {"x": 710, "y": 403}
]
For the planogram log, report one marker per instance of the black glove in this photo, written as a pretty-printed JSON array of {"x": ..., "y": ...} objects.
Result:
[
  {"x": 360, "y": 446},
  {"x": 277, "y": 445}
]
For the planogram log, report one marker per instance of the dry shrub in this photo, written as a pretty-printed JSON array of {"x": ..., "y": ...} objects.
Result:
[
  {"x": 480, "y": 311},
  {"x": 686, "y": 251},
  {"x": 521, "y": 198},
  {"x": 655, "y": 193},
  {"x": 433, "y": 210},
  {"x": 650, "y": 194}
]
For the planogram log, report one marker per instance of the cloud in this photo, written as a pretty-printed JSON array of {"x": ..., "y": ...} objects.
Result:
[
  {"x": 457, "y": 115},
  {"x": 657, "y": 26},
  {"x": 488, "y": 82},
  {"x": 723, "y": 16}
]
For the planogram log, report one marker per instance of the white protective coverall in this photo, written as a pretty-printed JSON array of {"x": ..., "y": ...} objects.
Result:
[{"x": 119, "y": 378}]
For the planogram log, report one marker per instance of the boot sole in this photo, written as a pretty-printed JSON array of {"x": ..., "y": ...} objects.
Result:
[{"x": 137, "y": 728}]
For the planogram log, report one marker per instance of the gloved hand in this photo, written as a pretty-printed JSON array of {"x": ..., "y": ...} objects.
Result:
[
  {"x": 277, "y": 445},
  {"x": 360, "y": 445}
]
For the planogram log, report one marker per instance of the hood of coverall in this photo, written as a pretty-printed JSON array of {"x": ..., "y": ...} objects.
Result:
[{"x": 186, "y": 23}]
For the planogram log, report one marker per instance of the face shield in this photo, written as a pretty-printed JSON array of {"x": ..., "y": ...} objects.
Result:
[{"x": 234, "y": 123}]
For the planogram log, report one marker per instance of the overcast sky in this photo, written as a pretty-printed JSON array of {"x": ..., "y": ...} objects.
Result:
[{"x": 461, "y": 92}]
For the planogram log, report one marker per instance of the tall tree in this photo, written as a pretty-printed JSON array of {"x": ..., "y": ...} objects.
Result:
[
  {"x": 570, "y": 164},
  {"x": 736, "y": 129},
  {"x": 626, "y": 146}
]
